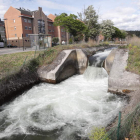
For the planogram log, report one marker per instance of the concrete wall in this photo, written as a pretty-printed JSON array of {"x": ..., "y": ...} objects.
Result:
[
  {"x": 109, "y": 61},
  {"x": 68, "y": 63},
  {"x": 120, "y": 80}
]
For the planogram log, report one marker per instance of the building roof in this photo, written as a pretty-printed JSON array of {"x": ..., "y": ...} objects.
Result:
[
  {"x": 52, "y": 17},
  {"x": 49, "y": 20},
  {"x": 24, "y": 11}
]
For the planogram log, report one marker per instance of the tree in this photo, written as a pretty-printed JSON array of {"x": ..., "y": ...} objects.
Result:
[
  {"x": 90, "y": 18},
  {"x": 55, "y": 40},
  {"x": 70, "y": 23},
  {"x": 107, "y": 29},
  {"x": 123, "y": 34},
  {"x": 117, "y": 33}
]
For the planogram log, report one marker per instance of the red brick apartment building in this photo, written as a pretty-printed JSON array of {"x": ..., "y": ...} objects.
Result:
[{"x": 20, "y": 22}]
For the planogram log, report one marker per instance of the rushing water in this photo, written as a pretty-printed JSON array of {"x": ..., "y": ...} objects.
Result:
[{"x": 65, "y": 111}]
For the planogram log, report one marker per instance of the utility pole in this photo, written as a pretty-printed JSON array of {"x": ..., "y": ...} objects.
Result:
[
  {"x": 7, "y": 30},
  {"x": 23, "y": 42}
]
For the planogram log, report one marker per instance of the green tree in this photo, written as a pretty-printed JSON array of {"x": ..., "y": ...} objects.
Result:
[
  {"x": 70, "y": 23},
  {"x": 55, "y": 40},
  {"x": 117, "y": 33},
  {"x": 90, "y": 18},
  {"x": 107, "y": 29},
  {"x": 123, "y": 34}
]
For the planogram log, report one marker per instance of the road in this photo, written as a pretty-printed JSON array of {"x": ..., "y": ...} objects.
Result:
[{"x": 14, "y": 50}]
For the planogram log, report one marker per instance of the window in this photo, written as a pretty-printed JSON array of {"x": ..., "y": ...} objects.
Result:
[
  {"x": 50, "y": 30},
  {"x": 15, "y": 28},
  {"x": 29, "y": 21},
  {"x": 30, "y": 28},
  {"x": 15, "y": 35},
  {"x": 26, "y": 28},
  {"x": 50, "y": 24},
  {"x": 63, "y": 36},
  {"x": 25, "y": 20},
  {"x": 14, "y": 20},
  {"x": 62, "y": 30},
  {"x": 41, "y": 26},
  {"x": 26, "y": 35}
]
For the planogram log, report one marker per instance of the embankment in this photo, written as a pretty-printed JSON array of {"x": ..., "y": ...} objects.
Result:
[{"x": 21, "y": 81}]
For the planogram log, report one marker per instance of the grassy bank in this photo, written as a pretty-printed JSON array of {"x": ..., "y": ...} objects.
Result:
[
  {"x": 11, "y": 63},
  {"x": 133, "y": 63}
]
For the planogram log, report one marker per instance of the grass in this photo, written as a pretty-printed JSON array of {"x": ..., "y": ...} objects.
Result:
[
  {"x": 11, "y": 63},
  {"x": 133, "y": 64}
]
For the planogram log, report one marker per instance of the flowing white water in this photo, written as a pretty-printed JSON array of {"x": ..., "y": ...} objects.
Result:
[
  {"x": 97, "y": 59},
  {"x": 63, "y": 111}
]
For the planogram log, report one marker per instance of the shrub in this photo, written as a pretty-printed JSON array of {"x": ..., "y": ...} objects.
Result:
[
  {"x": 105, "y": 43},
  {"x": 55, "y": 40},
  {"x": 98, "y": 134},
  {"x": 123, "y": 47},
  {"x": 131, "y": 52},
  {"x": 134, "y": 47},
  {"x": 134, "y": 41},
  {"x": 70, "y": 41}
]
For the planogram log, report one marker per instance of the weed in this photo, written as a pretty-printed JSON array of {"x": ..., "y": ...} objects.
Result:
[{"x": 98, "y": 134}]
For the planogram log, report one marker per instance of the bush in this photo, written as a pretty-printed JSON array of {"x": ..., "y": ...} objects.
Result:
[
  {"x": 131, "y": 52},
  {"x": 105, "y": 43},
  {"x": 98, "y": 134},
  {"x": 70, "y": 41},
  {"x": 55, "y": 40},
  {"x": 134, "y": 41},
  {"x": 134, "y": 47}
]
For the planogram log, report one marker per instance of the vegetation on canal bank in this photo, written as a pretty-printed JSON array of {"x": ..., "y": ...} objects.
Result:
[
  {"x": 133, "y": 63},
  {"x": 98, "y": 134},
  {"x": 11, "y": 63}
]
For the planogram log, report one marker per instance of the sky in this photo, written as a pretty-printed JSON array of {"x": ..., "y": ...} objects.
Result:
[{"x": 125, "y": 14}]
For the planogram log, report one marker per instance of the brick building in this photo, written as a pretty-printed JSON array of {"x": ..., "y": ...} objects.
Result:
[
  {"x": 57, "y": 31},
  {"x": 2, "y": 30},
  {"x": 21, "y": 22}
]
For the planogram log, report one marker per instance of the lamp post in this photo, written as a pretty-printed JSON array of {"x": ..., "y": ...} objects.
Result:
[{"x": 7, "y": 30}]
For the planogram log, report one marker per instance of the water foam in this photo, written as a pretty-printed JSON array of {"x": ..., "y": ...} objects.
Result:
[{"x": 67, "y": 109}]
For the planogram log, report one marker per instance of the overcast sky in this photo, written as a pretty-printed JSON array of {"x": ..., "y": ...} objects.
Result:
[{"x": 124, "y": 13}]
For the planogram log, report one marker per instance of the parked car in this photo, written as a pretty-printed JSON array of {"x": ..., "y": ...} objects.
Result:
[
  {"x": 11, "y": 46},
  {"x": 1, "y": 44}
]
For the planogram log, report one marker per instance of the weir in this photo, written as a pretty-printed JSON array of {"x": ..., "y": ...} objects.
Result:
[{"x": 65, "y": 111}]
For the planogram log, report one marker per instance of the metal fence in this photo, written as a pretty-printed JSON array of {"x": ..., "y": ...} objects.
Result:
[{"x": 123, "y": 129}]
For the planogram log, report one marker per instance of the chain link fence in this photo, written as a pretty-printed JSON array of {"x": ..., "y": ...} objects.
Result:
[{"x": 124, "y": 127}]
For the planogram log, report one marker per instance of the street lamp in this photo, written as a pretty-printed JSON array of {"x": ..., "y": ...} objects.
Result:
[{"x": 7, "y": 29}]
